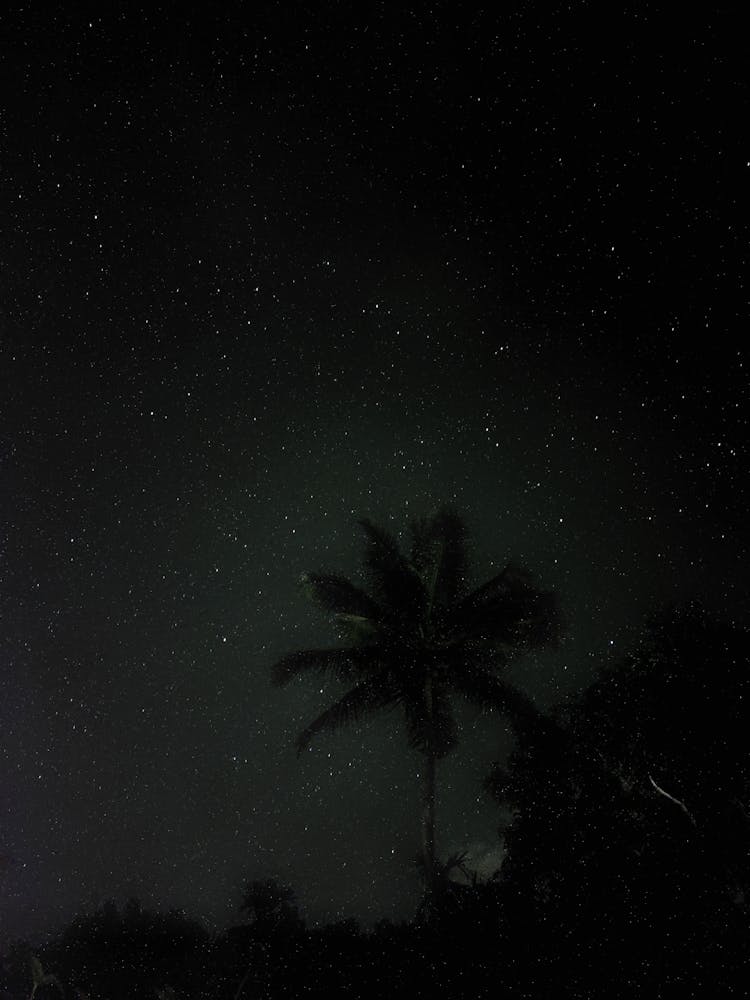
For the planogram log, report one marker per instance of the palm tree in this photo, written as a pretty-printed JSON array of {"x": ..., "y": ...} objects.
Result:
[{"x": 418, "y": 636}]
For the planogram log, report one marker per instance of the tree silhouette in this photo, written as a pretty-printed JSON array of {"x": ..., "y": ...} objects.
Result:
[
  {"x": 270, "y": 905},
  {"x": 118, "y": 954},
  {"x": 417, "y": 637},
  {"x": 630, "y": 834}
]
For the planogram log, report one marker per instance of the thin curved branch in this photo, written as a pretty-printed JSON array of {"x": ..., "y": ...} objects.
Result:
[{"x": 678, "y": 802}]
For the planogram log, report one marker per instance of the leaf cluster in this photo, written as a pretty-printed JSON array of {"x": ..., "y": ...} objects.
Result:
[{"x": 417, "y": 634}]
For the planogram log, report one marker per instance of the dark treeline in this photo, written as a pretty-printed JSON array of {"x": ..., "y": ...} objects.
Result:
[{"x": 626, "y": 869}]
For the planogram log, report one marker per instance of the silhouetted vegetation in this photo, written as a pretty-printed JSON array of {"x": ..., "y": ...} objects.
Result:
[
  {"x": 628, "y": 849},
  {"x": 419, "y": 637},
  {"x": 626, "y": 870}
]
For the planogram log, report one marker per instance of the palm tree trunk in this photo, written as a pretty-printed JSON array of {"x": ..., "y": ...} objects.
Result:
[
  {"x": 428, "y": 814},
  {"x": 428, "y": 826}
]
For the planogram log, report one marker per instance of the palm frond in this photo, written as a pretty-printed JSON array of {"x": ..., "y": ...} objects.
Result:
[
  {"x": 480, "y": 687},
  {"x": 543, "y": 624},
  {"x": 366, "y": 698},
  {"x": 394, "y": 582},
  {"x": 343, "y": 664},
  {"x": 356, "y": 630},
  {"x": 509, "y": 609},
  {"x": 339, "y": 595},
  {"x": 451, "y": 578},
  {"x": 454, "y": 862}
]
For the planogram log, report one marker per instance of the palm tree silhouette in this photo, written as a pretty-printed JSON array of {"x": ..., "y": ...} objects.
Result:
[{"x": 418, "y": 636}]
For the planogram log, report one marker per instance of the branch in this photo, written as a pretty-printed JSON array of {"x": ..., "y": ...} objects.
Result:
[{"x": 671, "y": 798}]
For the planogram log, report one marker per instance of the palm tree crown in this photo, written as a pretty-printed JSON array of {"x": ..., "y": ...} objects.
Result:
[{"x": 420, "y": 634}]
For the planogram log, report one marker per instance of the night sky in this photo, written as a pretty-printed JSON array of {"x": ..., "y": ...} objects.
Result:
[{"x": 269, "y": 270}]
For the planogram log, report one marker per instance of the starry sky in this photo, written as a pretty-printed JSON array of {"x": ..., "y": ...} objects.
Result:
[{"x": 273, "y": 268}]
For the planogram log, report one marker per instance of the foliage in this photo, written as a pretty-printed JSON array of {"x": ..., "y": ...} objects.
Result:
[
  {"x": 626, "y": 870},
  {"x": 420, "y": 634},
  {"x": 40, "y": 978},
  {"x": 121, "y": 953},
  {"x": 271, "y": 907},
  {"x": 630, "y": 835}
]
